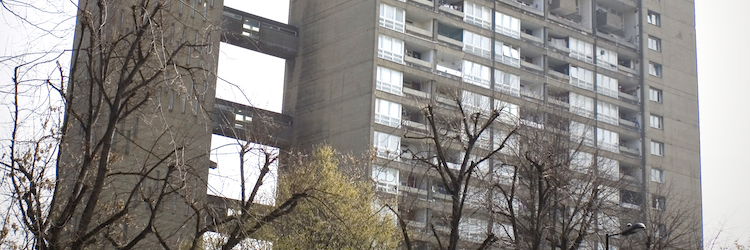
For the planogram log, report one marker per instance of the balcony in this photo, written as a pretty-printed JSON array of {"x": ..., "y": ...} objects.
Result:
[
  {"x": 560, "y": 45},
  {"x": 563, "y": 7},
  {"x": 531, "y": 67},
  {"x": 619, "y": 41},
  {"x": 532, "y": 39},
  {"x": 536, "y": 7},
  {"x": 628, "y": 97},
  {"x": 425, "y": 3},
  {"x": 609, "y": 21},
  {"x": 446, "y": 102},
  {"x": 627, "y": 71},
  {"x": 630, "y": 151},
  {"x": 417, "y": 63},
  {"x": 559, "y": 76},
  {"x": 451, "y": 41},
  {"x": 454, "y": 10},
  {"x": 560, "y": 103},
  {"x": 409, "y": 92},
  {"x": 414, "y": 30},
  {"x": 632, "y": 125},
  {"x": 418, "y": 56}
]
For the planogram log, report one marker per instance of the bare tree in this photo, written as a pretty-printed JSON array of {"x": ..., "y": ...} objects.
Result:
[{"x": 532, "y": 179}]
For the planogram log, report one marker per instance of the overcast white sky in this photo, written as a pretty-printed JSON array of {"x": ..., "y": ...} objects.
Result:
[{"x": 724, "y": 88}]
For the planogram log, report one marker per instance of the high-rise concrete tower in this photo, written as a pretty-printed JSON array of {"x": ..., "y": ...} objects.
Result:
[{"x": 624, "y": 68}]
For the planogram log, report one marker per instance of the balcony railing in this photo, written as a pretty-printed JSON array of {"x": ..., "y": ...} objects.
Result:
[
  {"x": 411, "y": 29},
  {"x": 450, "y": 9},
  {"x": 427, "y": 3},
  {"x": 533, "y": 68},
  {"x": 563, "y": 104},
  {"x": 415, "y": 93},
  {"x": 630, "y": 151},
  {"x": 448, "y": 72},
  {"x": 451, "y": 41},
  {"x": 629, "y": 124},
  {"x": 411, "y": 61},
  {"x": 628, "y": 97},
  {"x": 627, "y": 70},
  {"x": 532, "y": 38}
]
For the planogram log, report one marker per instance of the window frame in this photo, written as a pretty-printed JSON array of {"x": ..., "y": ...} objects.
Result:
[
  {"x": 653, "y": 18},
  {"x": 477, "y": 44},
  {"x": 388, "y": 85},
  {"x": 507, "y": 83},
  {"x": 657, "y": 148},
  {"x": 507, "y": 25},
  {"x": 655, "y": 95},
  {"x": 388, "y": 53},
  {"x": 656, "y": 121},
  {"x": 387, "y": 113},
  {"x": 470, "y": 71},
  {"x": 483, "y": 20},
  {"x": 392, "y": 22},
  {"x": 381, "y": 175},
  {"x": 657, "y": 175},
  {"x": 659, "y": 202},
  {"x": 654, "y": 43},
  {"x": 655, "y": 69},
  {"x": 387, "y": 151}
]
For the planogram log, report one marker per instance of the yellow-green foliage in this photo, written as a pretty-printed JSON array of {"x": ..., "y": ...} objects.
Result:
[{"x": 340, "y": 214}]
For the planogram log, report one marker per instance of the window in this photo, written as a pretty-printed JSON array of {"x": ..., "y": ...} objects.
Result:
[
  {"x": 477, "y": 15},
  {"x": 507, "y": 55},
  {"x": 608, "y": 223},
  {"x": 477, "y": 45},
  {"x": 657, "y": 175},
  {"x": 391, "y": 49},
  {"x": 392, "y": 17},
  {"x": 581, "y": 161},
  {"x": 251, "y": 28},
  {"x": 511, "y": 145},
  {"x": 581, "y": 50},
  {"x": 581, "y": 105},
  {"x": 606, "y": 85},
  {"x": 608, "y": 168},
  {"x": 654, "y": 43},
  {"x": 507, "y": 25},
  {"x": 582, "y": 132},
  {"x": 581, "y": 78},
  {"x": 657, "y": 121},
  {"x": 654, "y": 69},
  {"x": 507, "y": 83},
  {"x": 473, "y": 229},
  {"x": 389, "y": 80},
  {"x": 608, "y": 140},
  {"x": 660, "y": 231},
  {"x": 607, "y": 59},
  {"x": 475, "y": 102},
  {"x": 608, "y": 113},
  {"x": 657, "y": 148},
  {"x": 508, "y": 112},
  {"x": 387, "y": 113},
  {"x": 659, "y": 202},
  {"x": 655, "y": 95},
  {"x": 387, "y": 145},
  {"x": 386, "y": 178},
  {"x": 476, "y": 74},
  {"x": 653, "y": 18}
]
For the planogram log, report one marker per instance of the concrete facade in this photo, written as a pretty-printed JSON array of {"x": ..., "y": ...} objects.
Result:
[{"x": 330, "y": 90}]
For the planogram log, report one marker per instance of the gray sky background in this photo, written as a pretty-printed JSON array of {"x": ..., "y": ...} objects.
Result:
[{"x": 724, "y": 90}]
